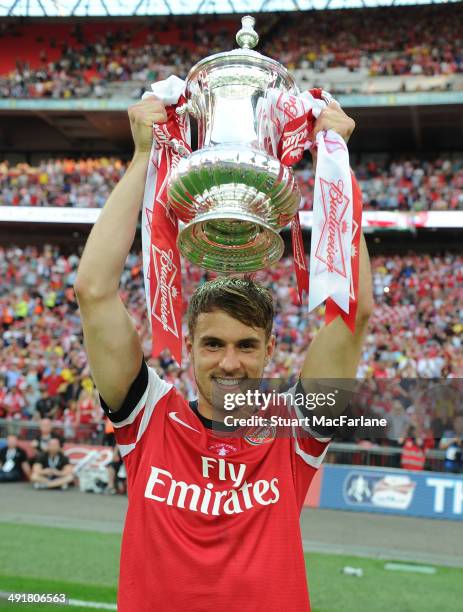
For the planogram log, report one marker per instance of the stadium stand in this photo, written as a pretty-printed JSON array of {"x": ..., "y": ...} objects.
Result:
[
  {"x": 102, "y": 58},
  {"x": 60, "y": 182},
  {"x": 397, "y": 185}
]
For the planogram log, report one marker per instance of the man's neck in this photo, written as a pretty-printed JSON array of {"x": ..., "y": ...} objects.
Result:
[
  {"x": 208, "y": 421},
  {"x": 206, "y": 410}
]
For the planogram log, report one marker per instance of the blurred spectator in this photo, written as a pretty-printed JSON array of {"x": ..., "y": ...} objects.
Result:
[
  {"x": 14, "y": 403},
  {"x": 40, "y": 443},
  {"x": 71, "y": 420},
  {"x": 413, "y": 455},
  {"x": 13, "y": 461},
  {"x": 452, "y": 443},
  {"x": 440, "y": 422},
  {"x": 109, "y": 438},
  {"x": 52, "y": 469},
  {"x": 31, "y": 397},
  {"x": 117, "y": 475},
  {"x": 398, "y": 422},
  {"x": 53, "y": 382},
  {"x": 87, "y": 407},
  {"x": 46, "y": 406}
]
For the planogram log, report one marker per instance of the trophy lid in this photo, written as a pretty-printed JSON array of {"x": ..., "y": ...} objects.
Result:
[{"x": 247, "y": 38}]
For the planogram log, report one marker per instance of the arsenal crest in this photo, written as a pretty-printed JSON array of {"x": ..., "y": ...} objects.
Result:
[{"x": 260, "y": 435}]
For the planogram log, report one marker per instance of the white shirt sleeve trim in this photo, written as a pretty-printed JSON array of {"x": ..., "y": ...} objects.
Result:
[
  {"x": 311, "y": 460},
  {"x": 155, "y": 390}
]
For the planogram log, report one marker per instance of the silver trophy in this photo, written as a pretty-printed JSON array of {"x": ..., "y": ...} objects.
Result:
[{"x": 233, "y": 194}]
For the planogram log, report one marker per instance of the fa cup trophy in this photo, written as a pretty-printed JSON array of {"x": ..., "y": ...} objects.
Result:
[
  {"x": 233, "y": 194},
  {"x": 236, "y": 192}
]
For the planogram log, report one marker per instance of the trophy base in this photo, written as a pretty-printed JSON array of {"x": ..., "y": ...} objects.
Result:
[{"x": 230, "y": 241}]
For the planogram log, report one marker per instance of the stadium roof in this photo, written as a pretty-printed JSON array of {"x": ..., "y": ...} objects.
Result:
[{"x": 90, "y": 8}]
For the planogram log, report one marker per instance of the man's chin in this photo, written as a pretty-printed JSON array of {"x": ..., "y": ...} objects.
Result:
[{"x": 221, "y": 394}]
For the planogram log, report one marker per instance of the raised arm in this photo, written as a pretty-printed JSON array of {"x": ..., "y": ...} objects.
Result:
[
  {"x": 335, "y": 352},
  {"x": 112, "y": 343}
]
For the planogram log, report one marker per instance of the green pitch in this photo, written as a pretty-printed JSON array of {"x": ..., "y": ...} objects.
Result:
[{"x": 84, "y": 565}]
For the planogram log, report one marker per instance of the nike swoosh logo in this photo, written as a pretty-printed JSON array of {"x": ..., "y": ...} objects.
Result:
[{"x": 174, "y": 417}]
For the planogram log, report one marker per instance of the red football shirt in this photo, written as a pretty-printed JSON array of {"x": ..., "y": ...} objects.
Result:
[{"x": 212, "y": 521}]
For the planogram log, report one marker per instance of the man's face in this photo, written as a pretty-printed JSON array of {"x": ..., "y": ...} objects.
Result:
[
  {"x": 54, "y": 446},
  {"x": 12, "y": 441},
  {"x": 225, "y": 352}
]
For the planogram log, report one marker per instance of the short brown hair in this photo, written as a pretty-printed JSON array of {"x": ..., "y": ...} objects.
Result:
[{"x": 241, "y": 298}]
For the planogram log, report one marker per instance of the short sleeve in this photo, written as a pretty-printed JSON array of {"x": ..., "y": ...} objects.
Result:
[
  {"x": 310, "y": 443},
  {"x": 132, "y": 419}
]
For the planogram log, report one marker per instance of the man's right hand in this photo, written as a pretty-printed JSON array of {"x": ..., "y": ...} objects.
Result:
[{"x": 142, "y": 115}]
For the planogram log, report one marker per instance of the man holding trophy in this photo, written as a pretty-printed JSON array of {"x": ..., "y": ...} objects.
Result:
[{"x": 213, "y": 517}]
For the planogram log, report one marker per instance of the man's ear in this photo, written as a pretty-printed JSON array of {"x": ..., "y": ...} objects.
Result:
[
  {"x": 188, "y": 344},
  {"x": 270, "y": 349}
]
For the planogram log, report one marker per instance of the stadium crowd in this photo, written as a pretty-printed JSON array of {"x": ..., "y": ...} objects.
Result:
[
  {"x": 60, "y": 182},
  {"x": 397, "y": 185},
  {"x": 416, "y": 331},
  {"x": 426, "y": 40},
  {"x": 420, "y": 40},
  {"x": 402, "y": 185}
]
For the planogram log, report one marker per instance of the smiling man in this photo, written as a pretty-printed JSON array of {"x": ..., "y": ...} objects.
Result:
[
  {"x": 213, "y": 517},
  {"x": 229, "y": 339}
]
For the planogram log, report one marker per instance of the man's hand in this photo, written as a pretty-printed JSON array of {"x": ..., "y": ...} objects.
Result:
[
  {"x": 142, "y": 115},
  {"x": 334, "y": 118}
]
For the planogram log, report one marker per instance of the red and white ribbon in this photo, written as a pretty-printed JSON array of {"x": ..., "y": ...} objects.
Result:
[
  {"x": 337, "y": 208},
  {"x": 330, "y": 269},
  {"x": 161, "y": 259}
]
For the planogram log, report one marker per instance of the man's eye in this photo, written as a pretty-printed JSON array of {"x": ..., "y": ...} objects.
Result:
[
  {"x": 212, "y": 344},
  {"x": 247, "y": 346}
]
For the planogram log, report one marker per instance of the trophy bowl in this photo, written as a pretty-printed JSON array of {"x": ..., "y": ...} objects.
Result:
[{"x": 232, "y": 193}]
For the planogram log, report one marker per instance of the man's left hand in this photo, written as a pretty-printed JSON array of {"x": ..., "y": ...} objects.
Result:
[{"x": 334, "y": 118}]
